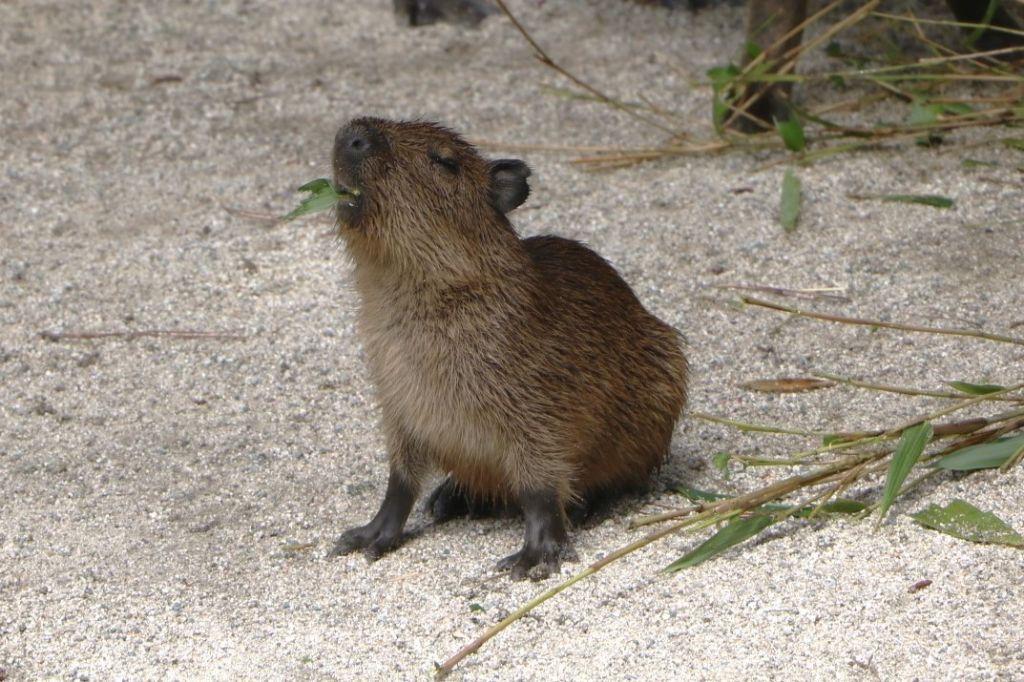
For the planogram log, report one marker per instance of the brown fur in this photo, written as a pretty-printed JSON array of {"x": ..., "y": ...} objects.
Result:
[{"x": 512, "y": 365}]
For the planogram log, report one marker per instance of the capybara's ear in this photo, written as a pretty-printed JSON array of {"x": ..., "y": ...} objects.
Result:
[{"x": 509, "y": 188}]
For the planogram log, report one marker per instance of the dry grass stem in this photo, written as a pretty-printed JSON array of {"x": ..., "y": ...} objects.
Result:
[
  {"x": 816, "y": 293},
  {"x": 886, "y": 388},
  {"x": 544, "y": 59},
  {"x": 141, "y": 333},
  {"x": 877, "y": 323}
]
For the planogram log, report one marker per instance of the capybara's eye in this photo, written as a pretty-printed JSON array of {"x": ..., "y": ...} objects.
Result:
[{"x": 446, "y": 161}]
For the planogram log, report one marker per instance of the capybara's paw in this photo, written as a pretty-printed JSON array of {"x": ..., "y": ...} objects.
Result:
[
  {"x": 372, "y": 540},
  {"x": 537, "y": 562}
]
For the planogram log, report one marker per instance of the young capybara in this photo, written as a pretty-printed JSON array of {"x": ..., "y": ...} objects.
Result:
[{"x": 524, "y": 369}]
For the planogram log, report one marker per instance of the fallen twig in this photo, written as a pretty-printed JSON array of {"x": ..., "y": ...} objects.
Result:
[
  {"x": 140, "y": 333},
  {"x": 748, "y": 300}
]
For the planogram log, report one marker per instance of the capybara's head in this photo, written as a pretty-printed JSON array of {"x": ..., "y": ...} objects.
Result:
[{"x": 416, "y": 181}]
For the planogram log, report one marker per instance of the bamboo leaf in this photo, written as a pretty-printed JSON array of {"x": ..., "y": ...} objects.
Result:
[
  {"x": 991, "y": 6},
  {"x": 957, "y": 108},
  {"x": 719, "y": 110},
  {"x": 837, "y": 507},
  {"x": 721, "y": 462},
  {"x": 316, "y": 186},
  {"x": 735, "y": 532},
  {"x": 752, "y": 50},
  {"x": 965, "y": 521},
  {"x": 792, "y": 133},
  {"x": 921, "y": 114},
  {"x": 721, "y": 78},
  {"x": 975, "y": 389},
  {"x": 697, "y": 495},
  {"x": 789, "y": 206},
  {"x": 322, "y": 197},
  {"x": 982, "y": 456},
  {"x": 785, "y": 385},
  {"x": 908, "y": 451},
  {"x": 934, "y": 200}
]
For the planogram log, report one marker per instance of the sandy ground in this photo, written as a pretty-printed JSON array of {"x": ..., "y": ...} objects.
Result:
[{"x": 166, "y": 504}]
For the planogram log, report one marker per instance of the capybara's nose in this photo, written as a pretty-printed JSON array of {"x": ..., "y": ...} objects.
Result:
[{"x": 353, "y": 143}]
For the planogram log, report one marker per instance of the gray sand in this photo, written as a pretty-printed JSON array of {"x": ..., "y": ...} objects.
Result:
[{"x": 166, "y": 504}]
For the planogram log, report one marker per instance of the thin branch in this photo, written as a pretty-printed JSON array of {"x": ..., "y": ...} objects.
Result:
[
  {"x": 515, "y": 147},
  {"x": 259, "y": 216},
  {"x": 759, "y": 428},
  {"x": 544, "y": 59},
  {"x": 886, "y": 388},
  {"x": 876, "y": 323},
  {"x": 809, "y": 294},
  {"x": 787, "y": 62},
  {"x": 958, "y": 24},
  {"x": 714, "y": 513},
  {"x": 140, "y": 333},
  {"x": 897, "y": 431},
  {"x": 446, "y": 667}
]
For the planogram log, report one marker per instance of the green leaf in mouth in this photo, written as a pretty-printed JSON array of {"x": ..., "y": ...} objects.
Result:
[{"x": 322, "y": 196}]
